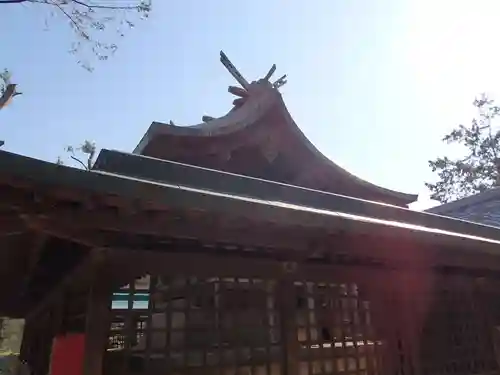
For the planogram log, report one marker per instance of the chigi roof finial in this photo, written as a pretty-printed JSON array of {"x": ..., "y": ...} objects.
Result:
[
  {"x": 233, "y": 71},
  {"x": 242, "y": 81},
  {"x": 244, "y": 91}
]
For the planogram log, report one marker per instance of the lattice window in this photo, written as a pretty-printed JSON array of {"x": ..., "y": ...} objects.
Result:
[
  {"x": 334, "y": 330},
  {"x": 456, "y": 337},
  {"x": 214, "y": 325}
]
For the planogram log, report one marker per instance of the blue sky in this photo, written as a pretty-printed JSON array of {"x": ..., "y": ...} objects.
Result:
[{"x": 373, "y": 84}]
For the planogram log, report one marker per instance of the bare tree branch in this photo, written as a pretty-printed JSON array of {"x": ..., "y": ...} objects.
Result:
[
  {"x": 77, "y": 26},
  {"x": 96, "y": 6},
  {"x": 91, "y": 22},
  {"x": 88, "y": 148},
  {"x": 79, "y": 161}
]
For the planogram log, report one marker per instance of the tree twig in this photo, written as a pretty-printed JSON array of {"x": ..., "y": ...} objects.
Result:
[
  {"x": 12, "y": 1},
  {"x": 83, "y": 34},
  {"x": 92, "y": 6},
  {"x": 79, "y": 161}
]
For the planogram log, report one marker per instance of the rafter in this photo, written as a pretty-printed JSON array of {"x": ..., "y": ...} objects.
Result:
[{"x": 101, "y": 229}]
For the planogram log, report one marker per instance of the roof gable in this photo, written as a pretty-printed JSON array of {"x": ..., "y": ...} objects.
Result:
[{"x": 259, "y": 138}]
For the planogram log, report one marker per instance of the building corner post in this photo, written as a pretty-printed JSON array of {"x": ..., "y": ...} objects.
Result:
[{"x": 97, "y": 321}]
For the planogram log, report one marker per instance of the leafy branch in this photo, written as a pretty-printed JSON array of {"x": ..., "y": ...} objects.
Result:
[{"x": 478, "y": 169}]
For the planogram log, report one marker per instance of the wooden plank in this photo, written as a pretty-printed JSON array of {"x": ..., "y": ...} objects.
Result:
[{"x": 97, "y": 322}]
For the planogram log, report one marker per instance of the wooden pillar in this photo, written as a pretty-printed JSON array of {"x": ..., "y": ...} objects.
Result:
[
  {"x": 287, "y": 310},
  {"x": 288, "y": 326},
  {"x": 484, "y": 294},
  {"x": 383, "y": 315},
  {"x": 97, "y": 322}
]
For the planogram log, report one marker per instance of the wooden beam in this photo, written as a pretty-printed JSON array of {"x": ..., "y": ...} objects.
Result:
[
  {"x": 206, "y": 228},
  {"x": 81, "y": 272},
  {"x": 88, "y": 228},
  {"x": 97, "y": 322},
  {"x": 76, "y": 202},
  {"x": 83, "y": 224},
  {"x": 205, "y": 265}
]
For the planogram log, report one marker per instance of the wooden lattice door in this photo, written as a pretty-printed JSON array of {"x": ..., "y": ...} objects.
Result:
[
  {"x": 335, "y": 330},
  {"x": 197, "y": 325},
  {"x": 212, "y": 325}
]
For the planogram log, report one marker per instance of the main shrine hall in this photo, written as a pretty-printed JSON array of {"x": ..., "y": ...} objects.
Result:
[{"x": 234, "y": 247}]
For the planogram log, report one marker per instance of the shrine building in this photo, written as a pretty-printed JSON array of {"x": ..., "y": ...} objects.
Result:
[{"x": 235, "y": 247}]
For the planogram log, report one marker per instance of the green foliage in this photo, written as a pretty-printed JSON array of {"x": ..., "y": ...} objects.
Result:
[{"x": 478, "y": 169}]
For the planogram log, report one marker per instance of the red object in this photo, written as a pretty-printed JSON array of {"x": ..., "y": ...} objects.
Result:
[{"x": 67, "y": 354}]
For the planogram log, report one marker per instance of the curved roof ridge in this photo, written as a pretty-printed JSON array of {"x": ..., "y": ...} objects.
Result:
[
  {"x": 262, "y": 97},
  {"x": 400, "y": 195},
  {"x": 259, "y": 101}
]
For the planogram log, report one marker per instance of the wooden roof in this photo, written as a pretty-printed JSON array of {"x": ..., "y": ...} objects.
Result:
[
  {"x": 478, "y": 199},
  {"x": 259, "y": 138},
  {"x": 52, "y": 216}
]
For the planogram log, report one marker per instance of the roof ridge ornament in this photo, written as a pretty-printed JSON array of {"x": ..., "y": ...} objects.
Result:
[
  {"x": 270, "y": 72},
  {"x": 280, "y": 82},
  {"x": 242, "y": 81},
  {"x": 244, "y": 91},
  {"x": 233, "y": 71}
]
